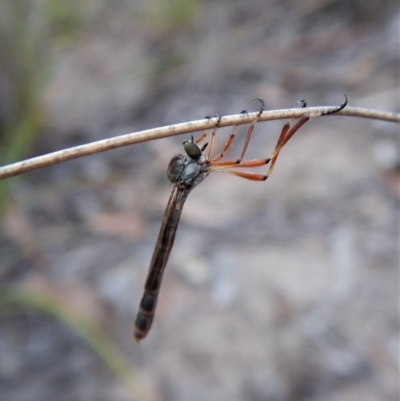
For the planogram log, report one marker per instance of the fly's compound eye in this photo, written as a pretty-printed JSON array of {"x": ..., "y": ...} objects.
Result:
[{"x": 192, "y": 150}]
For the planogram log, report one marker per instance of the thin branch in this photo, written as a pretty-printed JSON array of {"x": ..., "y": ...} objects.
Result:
[{"x": 183, "y": 128}]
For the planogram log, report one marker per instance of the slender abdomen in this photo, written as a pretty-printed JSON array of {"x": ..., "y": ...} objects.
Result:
[
  {"x": 145, "y": 316},
  {"x": 165, "y": 241}
]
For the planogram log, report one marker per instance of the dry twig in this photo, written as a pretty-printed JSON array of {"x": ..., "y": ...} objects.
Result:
[{"x": 183, "y": 128}]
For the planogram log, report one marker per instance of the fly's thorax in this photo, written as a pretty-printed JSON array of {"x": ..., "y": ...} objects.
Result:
[
  {"x": 176, "y": 167},
  {"x": 194, "y": 172}
]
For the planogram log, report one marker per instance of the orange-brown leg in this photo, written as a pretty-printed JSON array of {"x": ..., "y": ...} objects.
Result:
[
  {"x": 248, "y": 136},
  {"x": 251, "y": 128},
  {"x": 201, "y": 137},
  {"x": 224, "y": 167},
  {"x": 235, "y": 164},
  {"x": 247, "y": 140},
  {"x": 286, "y": 134},
  {"x": 227, "y": 145},
  {"x": 212, "y": 141},
  {"x": 248, "y": 176}
]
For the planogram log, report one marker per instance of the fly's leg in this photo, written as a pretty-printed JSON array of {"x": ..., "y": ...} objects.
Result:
[
  {"x": 248, "y": 136},
  {"x": 287, "y": 132},
  {"x": 227, "y": 145},
  {"x": 251, "y": 128}
]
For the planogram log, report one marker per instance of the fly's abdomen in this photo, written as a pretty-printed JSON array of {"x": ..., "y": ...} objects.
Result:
[{"x": 145, "y": 316}]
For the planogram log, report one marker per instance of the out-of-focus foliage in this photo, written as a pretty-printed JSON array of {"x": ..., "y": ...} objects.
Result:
[{"x": 30, "y": 33}]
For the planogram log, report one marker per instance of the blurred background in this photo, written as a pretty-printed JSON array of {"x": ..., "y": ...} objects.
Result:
[{"x": 279, "y": 291}]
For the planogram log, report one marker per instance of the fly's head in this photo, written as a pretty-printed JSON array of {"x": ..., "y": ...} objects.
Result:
[
  {"x": 192, "y": 149},
  {"x": 188, "y": 170}
]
